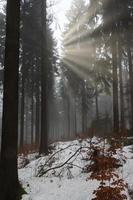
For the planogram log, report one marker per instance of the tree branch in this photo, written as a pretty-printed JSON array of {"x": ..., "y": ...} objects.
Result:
[{"x": 59, "y": 166}]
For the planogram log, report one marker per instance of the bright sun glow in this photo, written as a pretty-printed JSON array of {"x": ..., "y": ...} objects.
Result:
[
  {"x": 77, "y": 49},
  {"x": 59, "y": 10}
]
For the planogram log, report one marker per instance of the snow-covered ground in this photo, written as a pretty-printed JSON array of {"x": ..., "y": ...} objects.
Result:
[
  {"x": 128, "y": 166},
  {"x": 68, "y": 182}
]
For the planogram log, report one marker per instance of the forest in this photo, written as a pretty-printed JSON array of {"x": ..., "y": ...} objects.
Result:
[{"x": 66, "y": 100}]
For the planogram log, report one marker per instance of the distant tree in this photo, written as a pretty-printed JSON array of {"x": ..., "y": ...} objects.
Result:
[
  {"x": 44, "y": 70},
  {"x": 83, "y": 50}
]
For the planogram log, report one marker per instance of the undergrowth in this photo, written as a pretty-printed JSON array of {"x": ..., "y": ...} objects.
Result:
[{"x": 103, "y": 168}]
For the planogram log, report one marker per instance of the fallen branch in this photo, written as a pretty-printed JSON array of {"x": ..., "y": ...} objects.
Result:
[
  {"x": 60, "y": 150},
  {"x": 59, "y": 166}
]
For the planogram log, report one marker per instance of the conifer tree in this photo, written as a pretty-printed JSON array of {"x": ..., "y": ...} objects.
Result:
[{"x": 9, "y": 184}]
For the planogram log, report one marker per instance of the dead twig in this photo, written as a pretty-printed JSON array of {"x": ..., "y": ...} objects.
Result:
[
  {"x": 60, "y": 150},
  {"x": 59, "y": 166}
]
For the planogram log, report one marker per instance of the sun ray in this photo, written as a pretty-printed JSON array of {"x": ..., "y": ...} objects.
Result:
[{"x": 88, "y": 14}]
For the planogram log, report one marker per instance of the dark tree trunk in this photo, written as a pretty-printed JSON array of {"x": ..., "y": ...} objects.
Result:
[
  {"x": 26, "y": 132},
  {"x": 32, "y": 115},
  {"x": 75, "y": 116},
  {"x": 122, "y": 117},
  {"x": 68, "y": 118},
  {"x": 37, "y": 130},
  {"x": 21, "y": 144},
  {"x": 115, "y": 86},
  {"x": 84, "y": 110},
  {"x": 22, "y": 109},
  {"x": 8, "y": 160},
  {"x": 44, "y": 63},
  {"x": 32, "y": 105},
  {"x": 96, "y": 102},
  {"x": 130, "y": 78}
]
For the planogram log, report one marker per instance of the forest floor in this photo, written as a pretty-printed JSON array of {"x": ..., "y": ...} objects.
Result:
[{"x": 48, "y": 178}]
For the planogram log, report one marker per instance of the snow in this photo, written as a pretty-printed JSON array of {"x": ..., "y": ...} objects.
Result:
[
  {"x": 69, "y": 183},
  {"x": 60, "y": 189},
  {"x": 128, "y": 166}
]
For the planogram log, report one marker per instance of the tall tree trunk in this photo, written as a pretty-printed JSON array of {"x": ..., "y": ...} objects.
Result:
[
  {"x": 37, "y": 134},
  {"x": 84, "y": 111},
  {"x": 122, "y": 117},
  {"x": 130, "y": 78},
  {"x": 96, "y": 102},
  {"x": 26, "y": 132},
  {"x": 68, "y": 118},
  {"x": 22, "y": 108},
  {"x": 21, "y": 144},
  {"x": 32, "y": 115},
  {"x": 44, "y": 63},
  {"x": 32, "y": 105},
  {"x": 8, "y": 160},
  {"x": 115, "y": 86},
  {"x": 75, "y": 116},
  {"x": 37, "y": 105}
]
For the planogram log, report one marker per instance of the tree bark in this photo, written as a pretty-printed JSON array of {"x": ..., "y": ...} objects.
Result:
[
  {"x": 44, "y": 63},
  {"x": 75, "y": 116},
  {"x": 84, "y": 110},
  {"x": 32, "y": 115},
  {"x": 21, "y": 144},
  {"x": 32, "y": 105},
  {"x": 8, "y": 160},
  {"x": 22, "y": 107},
  {"x": 96, "y": 102},
  {"x": 130, "y": 78},
  {"x": 115, "y": 86},
  {"x": 37, "y": 130},
  {"x": 122, "y": 116}
]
